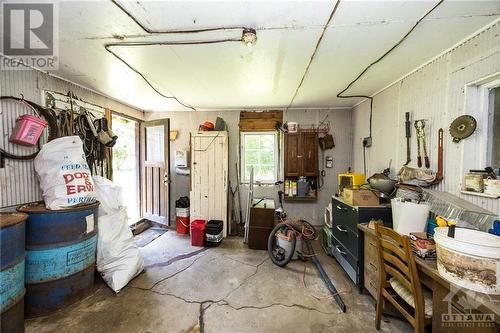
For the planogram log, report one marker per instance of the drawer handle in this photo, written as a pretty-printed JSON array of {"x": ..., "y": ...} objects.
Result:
[
  {"x": 340, "y": 251},
  {"x": 339, "y": 228},
  {"x": 375, "y": 267},
  {"x": 341, "y": 208}
]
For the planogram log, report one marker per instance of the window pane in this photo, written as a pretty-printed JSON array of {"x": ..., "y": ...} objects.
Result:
[
  {"x": 155, "y": 144},
  {"x": 267, "y": 142},
  {"x": 251, "y": 157},
  {"x": 266, "y": 172},
  {"x": 251, "y": 141},
  {"x": 267, "y": 157}
]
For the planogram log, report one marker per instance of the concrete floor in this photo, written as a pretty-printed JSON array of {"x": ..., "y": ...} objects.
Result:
[{"x": 224, "y": 289}]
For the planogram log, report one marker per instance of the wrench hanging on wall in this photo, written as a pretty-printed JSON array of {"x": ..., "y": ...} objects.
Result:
[{"x": 421, "y": 143}]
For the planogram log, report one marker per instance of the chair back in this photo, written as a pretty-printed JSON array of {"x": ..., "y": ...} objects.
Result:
[{"x": 397, "y": 260}]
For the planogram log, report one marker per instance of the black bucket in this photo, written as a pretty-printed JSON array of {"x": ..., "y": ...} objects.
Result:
[{"x": 213, "y": 233}]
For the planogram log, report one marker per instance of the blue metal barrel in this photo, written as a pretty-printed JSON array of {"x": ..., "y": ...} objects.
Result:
[
  {"x": 12, "y": 242},
  {"x": 60, "y": 256}
]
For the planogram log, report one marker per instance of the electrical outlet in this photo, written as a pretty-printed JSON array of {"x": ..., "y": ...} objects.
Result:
[{"x": 367, "y": 142}]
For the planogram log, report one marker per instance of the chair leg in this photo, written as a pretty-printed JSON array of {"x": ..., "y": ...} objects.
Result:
[
  {"x": 380, "y": 307},
  {"x": 419, "y": 326}
]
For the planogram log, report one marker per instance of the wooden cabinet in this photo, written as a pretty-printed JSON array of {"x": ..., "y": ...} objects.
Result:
[
  {"x": 292, "y": 155},
  {"x": 262, "y": 216},
  {"x": 301, "y": 154},
  {"x": 309, "y": 143}
]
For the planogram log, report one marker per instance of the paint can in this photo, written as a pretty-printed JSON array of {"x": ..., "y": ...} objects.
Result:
[
  {"x": 12, "y": 258},
  {"x": 60, "y": 256}
]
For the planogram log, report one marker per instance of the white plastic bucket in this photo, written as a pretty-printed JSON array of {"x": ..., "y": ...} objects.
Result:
[
  {"x": 408, "y": 216},
  {"x": 470, "y": 260},
  {"x": 287, "y": 246},
  {"x": 182, "y": 212}
]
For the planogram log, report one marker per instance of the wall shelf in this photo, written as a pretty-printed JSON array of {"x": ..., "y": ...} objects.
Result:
[
  {"x": 477, "y": 194},
  {"x": 298, "y": 199}
]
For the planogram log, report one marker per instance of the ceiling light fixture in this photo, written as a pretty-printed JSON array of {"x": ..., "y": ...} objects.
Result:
[{"x": 249, "y": 37}]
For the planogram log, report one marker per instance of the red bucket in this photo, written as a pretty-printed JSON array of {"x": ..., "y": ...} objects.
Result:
[
  {"x": 198, "y": 232},
  {"x": 182, "y": 225}
]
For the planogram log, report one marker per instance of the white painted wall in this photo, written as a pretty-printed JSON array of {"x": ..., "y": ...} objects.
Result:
[
  {"x": 434, "y": 92},
  {"x": 340, "y": 120}
]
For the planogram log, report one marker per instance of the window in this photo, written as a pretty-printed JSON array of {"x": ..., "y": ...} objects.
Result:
[
  {"x": 482, "y": 101},
  {"x": 494, "y": 139},
  {"x": 260, "y": 151}
]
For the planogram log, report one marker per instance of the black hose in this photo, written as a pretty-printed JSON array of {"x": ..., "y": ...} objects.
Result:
[{"x": 325, "y": 278}]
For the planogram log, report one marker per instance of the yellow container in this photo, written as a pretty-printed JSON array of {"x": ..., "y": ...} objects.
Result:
[{"x": 351, "y": 180}]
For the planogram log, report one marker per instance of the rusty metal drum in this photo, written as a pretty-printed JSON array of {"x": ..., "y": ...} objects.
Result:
[
  {"x": 60, "y": 256},
  {"x": 12, "y": 259}
]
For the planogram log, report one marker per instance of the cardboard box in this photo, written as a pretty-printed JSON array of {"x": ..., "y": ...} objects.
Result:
[{"x": 360, "y": 197}]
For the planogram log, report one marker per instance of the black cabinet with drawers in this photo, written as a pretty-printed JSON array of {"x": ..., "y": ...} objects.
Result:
[{"x": 347, "y": 245}]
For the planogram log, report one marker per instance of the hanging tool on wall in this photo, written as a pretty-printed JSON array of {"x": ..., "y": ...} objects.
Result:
[
  {"x": 421, "y": 144},
  {"x": 439, "y": 174},
  {"x": 462, "y": 127},
  {"x": 408, "y": 138}
]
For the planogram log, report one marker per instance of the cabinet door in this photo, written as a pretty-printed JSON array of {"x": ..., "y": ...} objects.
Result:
[
  {"x": 292, "y": 157},
  {"x": 309, "y": 154}
]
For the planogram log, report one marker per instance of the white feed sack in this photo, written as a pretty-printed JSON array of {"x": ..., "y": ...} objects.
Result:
[
  {"x": 118, "y": 258},
  {"x": 109, "y": 195},
  {"x": 64, "y": 174}
]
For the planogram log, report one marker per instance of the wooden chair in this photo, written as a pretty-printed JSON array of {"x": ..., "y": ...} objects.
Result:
[{"x": 399, "y": 281}]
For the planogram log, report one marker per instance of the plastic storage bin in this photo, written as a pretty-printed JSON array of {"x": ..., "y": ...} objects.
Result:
[
  {"x": 409, "y": 217},
  {"x": 198, "y": 232},
  {"x": 213, "y": 233},
  {"x": 28, "y": 130}
]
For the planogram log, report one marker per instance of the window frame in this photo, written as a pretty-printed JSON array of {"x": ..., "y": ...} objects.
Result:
[
  {"x": 243, "y": 180},
  {"x": 477, "y": 149}
]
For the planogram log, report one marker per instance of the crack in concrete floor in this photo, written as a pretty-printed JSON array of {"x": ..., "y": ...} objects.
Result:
[
  {"x": 206, "y": 316},
  {"x": 223, "y": 301},
  {"x": 210, "y": 302}
]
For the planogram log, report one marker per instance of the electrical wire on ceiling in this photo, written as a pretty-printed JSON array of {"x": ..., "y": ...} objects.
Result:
[
  {"x": 314, "y": 53},
  {"x": 186, "y": 31},
  {"x": 249, "y": 37},
  {"x": 134, "y": 44},
  {"x": 339, "y": 95}
]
